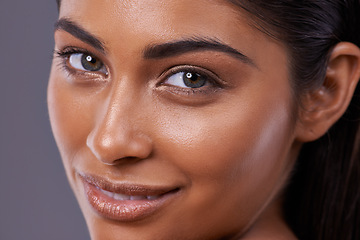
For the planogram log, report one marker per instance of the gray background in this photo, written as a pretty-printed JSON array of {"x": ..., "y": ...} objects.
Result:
[{"x": 35, "y": 199}]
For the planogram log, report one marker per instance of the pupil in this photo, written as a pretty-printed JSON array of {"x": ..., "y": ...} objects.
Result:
[{"x": 90, "y": 59}]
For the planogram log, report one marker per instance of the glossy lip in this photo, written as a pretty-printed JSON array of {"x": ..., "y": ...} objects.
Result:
[{"x": 126, "y": 210}]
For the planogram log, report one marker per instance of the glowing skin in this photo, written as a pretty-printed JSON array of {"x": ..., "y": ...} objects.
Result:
[{"x": 225, "y": 148}]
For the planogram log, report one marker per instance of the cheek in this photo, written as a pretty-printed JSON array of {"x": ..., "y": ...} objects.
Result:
[
  {"x": 71, "y": 117},
  {"x": 232, "y": 141},
  {"x": 232, "y": 153}
]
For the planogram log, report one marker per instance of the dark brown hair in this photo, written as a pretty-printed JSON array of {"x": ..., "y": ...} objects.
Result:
[{"x": 323, "y": 196}]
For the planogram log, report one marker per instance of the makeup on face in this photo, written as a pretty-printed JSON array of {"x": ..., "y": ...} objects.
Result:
[{"x": 171, "y": 124}]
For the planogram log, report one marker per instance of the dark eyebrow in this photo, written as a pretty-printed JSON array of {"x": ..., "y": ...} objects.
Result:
[
  {"x": 171, "y": 49},
  {"x": 80, "y": 33}
]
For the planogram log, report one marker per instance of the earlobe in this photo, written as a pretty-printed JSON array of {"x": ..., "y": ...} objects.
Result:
[{"x": 323, "y": 106}]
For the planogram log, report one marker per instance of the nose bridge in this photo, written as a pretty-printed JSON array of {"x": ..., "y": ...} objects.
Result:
[{"x": 117, "y": 133}]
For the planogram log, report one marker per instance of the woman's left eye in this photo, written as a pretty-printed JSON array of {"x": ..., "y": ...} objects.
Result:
[
  {"x": 85, "y": 62},
  {"x": 188, "y": 80}
]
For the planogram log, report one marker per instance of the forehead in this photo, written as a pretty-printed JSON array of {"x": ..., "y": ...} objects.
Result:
[
  {"x": 155, "y": 16},
  {"x": 156, "y": 20}
]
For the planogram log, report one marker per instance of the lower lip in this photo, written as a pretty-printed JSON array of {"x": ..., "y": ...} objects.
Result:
[{"x": 124, "y": 210}]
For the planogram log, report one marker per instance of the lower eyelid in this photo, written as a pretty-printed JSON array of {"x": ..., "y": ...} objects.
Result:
[
  {"x": 81, "y": 76},
  {"x": 191, "y": 94}
]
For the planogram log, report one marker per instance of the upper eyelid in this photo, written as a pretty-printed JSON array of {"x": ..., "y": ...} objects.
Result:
[
  {"x": 73, "y": 50},
  {"x": 183, "y": 68},
  {"x": 213, "y": 77},
  {"x": 67, "y": 51}
]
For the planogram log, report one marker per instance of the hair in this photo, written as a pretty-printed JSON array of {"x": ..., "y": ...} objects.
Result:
[{"x": 322, "y": 200}]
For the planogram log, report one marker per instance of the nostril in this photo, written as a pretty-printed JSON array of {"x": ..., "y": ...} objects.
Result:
[{"x": 126, "y": 160}]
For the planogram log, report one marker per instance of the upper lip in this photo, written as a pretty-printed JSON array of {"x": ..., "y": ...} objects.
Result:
[{"x": 127, "y": 188}]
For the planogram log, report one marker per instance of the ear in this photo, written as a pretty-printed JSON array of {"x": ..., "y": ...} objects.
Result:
[{"x": 323, "y": 106}]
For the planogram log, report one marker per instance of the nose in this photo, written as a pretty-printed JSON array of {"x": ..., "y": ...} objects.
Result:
[{"x": 119, "y": 133}]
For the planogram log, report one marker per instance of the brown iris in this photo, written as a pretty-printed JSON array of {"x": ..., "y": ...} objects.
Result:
[
  {"x": 90, "y": 63},
  {"x": 194, "y": 80}
]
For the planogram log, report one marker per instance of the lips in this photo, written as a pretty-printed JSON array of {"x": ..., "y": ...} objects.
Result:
[{"x": 124, "y": 201}]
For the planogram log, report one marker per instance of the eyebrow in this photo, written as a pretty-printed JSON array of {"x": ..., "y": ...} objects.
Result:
[
  {"x": 80, "y": 33},
  {"x": 157, "y": 51},
  {"x": 195, "y": 44}
]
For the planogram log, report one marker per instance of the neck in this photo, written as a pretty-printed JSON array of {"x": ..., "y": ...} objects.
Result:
[{"x": 270, "y": 225}]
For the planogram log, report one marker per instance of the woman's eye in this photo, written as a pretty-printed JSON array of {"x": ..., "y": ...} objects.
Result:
[
  {"x": 85, "y": 62},
  {"x": 187, "y": 80}
]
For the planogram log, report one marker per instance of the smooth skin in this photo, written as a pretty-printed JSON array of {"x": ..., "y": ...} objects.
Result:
[{"x": 230, "y": 144}]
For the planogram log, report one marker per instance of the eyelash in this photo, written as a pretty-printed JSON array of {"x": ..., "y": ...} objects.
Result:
[
  {"x": 65, "y": 54},
  {"x": 211, "y": 79},
  {"x": 214, "y": 83}
]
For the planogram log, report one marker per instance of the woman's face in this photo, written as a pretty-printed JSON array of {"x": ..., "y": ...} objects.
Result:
[{"x": 174, "y": 120}]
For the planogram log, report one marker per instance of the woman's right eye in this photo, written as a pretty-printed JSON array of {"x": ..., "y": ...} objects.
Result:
[{"x": 85, "y": 62}]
